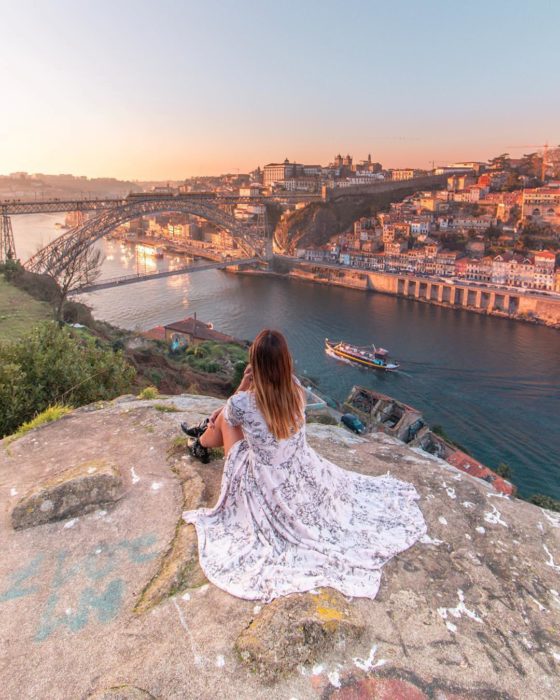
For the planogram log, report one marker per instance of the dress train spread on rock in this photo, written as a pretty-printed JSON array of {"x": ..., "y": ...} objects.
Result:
[{"x": 287, "y": 520}]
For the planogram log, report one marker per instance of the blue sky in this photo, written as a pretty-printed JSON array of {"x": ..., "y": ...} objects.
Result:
[{"x": 171, "y": 89}]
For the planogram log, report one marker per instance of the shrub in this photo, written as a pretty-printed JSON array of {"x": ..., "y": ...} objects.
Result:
[
  {"x": 149, "y": 393},
  {"x": 210, "y": 367},
  {"x": 74, "y": 312},
  {"x": 41, "y": 287},
  {"x": 51, "y": 365},
  {"x": 155, "y": 375},
  {"x": 504, "y": 470},
  {"x": 11, "y": 269},
  {"x": 539, "y": 499}
]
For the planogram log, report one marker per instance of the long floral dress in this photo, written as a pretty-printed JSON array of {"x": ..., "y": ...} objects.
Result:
[{"x": 288, "y": 520}]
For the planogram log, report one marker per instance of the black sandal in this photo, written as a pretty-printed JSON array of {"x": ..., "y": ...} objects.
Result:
[{"x": 196, "y": 430}]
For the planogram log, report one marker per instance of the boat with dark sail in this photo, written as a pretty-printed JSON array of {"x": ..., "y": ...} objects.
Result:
[{"x": 364, "y": 355}]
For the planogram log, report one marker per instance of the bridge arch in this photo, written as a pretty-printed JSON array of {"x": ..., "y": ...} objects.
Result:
[{"x": 54, "y": 256}]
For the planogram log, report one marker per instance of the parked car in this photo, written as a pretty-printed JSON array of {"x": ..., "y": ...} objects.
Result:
[{"x": 353, "y": 423}]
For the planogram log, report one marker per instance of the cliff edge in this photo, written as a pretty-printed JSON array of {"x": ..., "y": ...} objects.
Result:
[{"x": 102, "y": 596}]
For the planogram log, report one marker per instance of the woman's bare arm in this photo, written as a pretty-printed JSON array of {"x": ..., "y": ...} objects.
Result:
[{"x": 245, "y": 384}]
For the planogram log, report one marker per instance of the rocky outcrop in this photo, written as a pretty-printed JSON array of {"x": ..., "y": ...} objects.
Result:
[
  {"x": 318, "y": 222},
  {"x": 113, "y": 603},
  {"x": 76, "y": 491}
]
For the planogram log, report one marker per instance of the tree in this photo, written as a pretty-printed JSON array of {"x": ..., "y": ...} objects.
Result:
[
  {"x": 493, "y": 232},
  {"x": 530, "y": 165},
  {"x": 514, "y": 214},
  {"x": 82, "y": 267},
  {"x": 501, "y": 162}
]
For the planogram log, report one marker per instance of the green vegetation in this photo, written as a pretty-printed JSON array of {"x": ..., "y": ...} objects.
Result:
[
  {"x": 19, "y": 311},
  {"x": 543, "y": 501},
  {"x": 217, "y": 358},
  {"x": 504, "y": 470},
  {"x": 238, "y": 371},
  {"x": 178, "y": 445},
  {"x": 166, "y": 408},
  {"x": 149, "y": 393},
  {"x": 49, "y": 415},
  {"x": 53, "y": 365}
]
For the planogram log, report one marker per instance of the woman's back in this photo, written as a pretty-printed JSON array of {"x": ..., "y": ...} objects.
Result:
[{"x": 241, "y": 409}]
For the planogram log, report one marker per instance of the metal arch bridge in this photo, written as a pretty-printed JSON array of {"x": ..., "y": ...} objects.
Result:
[{"x": 114, "y": 212}]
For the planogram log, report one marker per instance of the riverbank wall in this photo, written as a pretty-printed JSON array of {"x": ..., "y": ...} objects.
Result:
[{"x": 486, "y": 300}]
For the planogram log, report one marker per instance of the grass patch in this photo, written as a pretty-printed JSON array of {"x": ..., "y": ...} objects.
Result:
[
  {"x": 150, "y": 392},
  {"x": 178, "y": 446},
  {"x": 49, "y": 415},
  {"x": 19, "y": 311},
  {"x": 166, "y": 408}
]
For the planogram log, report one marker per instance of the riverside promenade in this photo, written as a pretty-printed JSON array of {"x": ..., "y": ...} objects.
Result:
[{"x": 526, "y": 305}]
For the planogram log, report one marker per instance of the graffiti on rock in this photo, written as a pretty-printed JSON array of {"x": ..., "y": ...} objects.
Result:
[{"x": 78, "y": 590}]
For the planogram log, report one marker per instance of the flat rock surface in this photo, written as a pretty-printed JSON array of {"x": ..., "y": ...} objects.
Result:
[{"x": 113, "y": 604}]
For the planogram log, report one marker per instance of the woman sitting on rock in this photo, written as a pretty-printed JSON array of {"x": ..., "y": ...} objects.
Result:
[{"x": 288, "y": 520}]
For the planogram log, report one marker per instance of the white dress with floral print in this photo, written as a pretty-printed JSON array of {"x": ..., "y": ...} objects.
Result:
[{"x": 288, "y": 520}]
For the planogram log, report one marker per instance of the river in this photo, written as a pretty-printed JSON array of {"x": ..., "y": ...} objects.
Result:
[{"x": 493, "y": 384}]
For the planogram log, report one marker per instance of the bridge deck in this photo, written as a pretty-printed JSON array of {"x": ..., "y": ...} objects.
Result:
[{"x": 132, "y": 279}]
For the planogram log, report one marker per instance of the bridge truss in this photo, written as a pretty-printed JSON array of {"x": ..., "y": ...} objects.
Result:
[
  {"x": 7, "y": 245},
  {"x": 53, "y": 258}
]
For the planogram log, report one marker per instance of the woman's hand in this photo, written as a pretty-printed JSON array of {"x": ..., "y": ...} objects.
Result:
[{"x": 214, "y": 417}]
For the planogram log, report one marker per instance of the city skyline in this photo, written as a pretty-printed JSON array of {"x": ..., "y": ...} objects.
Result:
[{"x": 171, "y": 92}]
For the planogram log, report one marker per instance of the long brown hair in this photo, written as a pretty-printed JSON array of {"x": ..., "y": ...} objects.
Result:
[{"x": 278, "y": 397}]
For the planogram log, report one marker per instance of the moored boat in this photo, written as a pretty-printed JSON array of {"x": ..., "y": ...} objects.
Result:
[{"x": 366, "y": 356}]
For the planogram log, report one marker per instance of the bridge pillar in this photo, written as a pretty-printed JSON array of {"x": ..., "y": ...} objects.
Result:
[
  {"x": 7, "y": 245},
  {"x": 268, "y": 249}
]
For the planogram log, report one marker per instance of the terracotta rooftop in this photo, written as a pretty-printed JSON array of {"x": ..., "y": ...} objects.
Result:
[
  {"x": 198, "y": 329},
  {"x": 157, "y": 333}
]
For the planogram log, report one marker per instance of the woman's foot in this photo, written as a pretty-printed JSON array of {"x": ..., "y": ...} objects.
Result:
[
  {"x": 195, "y": 431},
  {"x": 198, "y": 451}
]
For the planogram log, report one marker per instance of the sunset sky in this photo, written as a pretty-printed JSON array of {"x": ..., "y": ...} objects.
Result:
[{"x": 156, "y": 90}]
